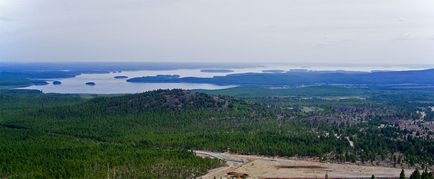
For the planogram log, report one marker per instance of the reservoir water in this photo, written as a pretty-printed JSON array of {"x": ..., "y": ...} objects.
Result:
[{"x": 105, "y": 83}]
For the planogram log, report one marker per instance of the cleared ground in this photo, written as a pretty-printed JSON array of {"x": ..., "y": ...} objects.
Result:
[{"x": 266, "y": 167}]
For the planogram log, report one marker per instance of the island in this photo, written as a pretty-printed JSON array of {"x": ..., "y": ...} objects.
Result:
[
  {"x": 298, "y": 70},
  {"x": 216, "y": 71},
  {"x": 57, "y": 83},
  {"x": 395, "y": 79},
  {"x": 156, "y": 79},
  {"x": 273, "y": 71},
  {"x": 90, "y": 83},
  {"x": 120, "y": 77}
]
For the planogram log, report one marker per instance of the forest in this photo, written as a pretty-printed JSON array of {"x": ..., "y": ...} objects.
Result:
[
  {"x": 384, "y": 79},
  {"x": 151, "y": 135}
]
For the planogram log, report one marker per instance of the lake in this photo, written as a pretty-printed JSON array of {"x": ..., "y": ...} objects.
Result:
[{"x": 107, "y": 84}]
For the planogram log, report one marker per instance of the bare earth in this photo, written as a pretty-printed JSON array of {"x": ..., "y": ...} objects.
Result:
[{"x": 267, "y": 167}]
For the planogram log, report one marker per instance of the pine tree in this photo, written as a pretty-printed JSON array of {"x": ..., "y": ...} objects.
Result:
[
  {"x": 373, "y": 177},
  {"x": 402, "y": 175},
  {"x": 425, "y": 174},
  {"x": 415, "y": 174}
]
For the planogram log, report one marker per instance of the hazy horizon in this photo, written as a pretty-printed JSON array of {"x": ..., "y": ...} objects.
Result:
[
  {"x": 245, "y": 31},
  {"x": 6, "y": 62},
  {"x": 216, "y": 88}
]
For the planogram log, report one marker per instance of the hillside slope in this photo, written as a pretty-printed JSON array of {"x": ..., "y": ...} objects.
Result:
[{"x": 178, "y": 120}]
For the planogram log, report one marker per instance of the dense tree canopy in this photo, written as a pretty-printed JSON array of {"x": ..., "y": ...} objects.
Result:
[{"x": 150, "y": 134}]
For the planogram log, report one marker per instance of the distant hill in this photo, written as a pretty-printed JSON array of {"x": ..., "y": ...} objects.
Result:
[
  {"x": 291, "y": 79},
  {"x": 120, "y": 77},
  {"x": 216, "y": 71},
  {"x": 17, "y": 80}
]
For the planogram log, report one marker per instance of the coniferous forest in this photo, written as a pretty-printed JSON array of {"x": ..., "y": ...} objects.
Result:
[
  {"x": 197, "y": 89},
  {"x": 152, "y": 134}
]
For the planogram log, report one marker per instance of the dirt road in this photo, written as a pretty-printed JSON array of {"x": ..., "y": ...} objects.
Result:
[{"x": 268, "y": 167}]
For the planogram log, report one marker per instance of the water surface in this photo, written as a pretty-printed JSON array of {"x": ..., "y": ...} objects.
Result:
[{"x": 107, "y": 84}]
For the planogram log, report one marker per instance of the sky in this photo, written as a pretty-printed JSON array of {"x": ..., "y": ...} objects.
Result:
[{"x": 256, "y": 31}]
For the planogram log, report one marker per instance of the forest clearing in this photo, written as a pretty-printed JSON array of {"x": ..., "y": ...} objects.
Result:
[{"x": 276, "y": 167}]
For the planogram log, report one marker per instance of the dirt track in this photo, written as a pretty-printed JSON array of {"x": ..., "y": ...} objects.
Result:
[{"x": 266, "y": 167}]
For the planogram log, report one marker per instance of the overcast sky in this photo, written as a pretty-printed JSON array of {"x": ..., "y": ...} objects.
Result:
[{"x": 288, "y": 31}]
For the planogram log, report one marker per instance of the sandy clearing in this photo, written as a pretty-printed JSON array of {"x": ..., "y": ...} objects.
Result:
[{"x": 268, "y": 167}]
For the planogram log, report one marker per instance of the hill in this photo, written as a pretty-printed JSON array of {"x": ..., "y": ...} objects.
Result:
[
  {"x": 292, "y": 79},
  {"x": 176, "y": 99},
  {"x": 100, "y": 137},
  {"x": 149, "y": 134}
]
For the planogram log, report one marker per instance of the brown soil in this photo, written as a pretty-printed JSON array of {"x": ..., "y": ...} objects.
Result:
[{"x": 274, "y": 167}]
